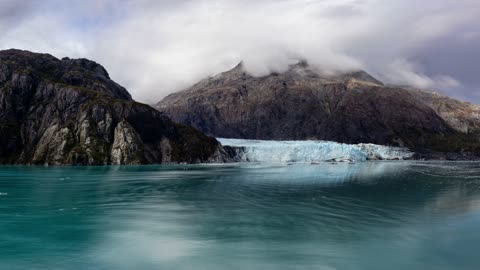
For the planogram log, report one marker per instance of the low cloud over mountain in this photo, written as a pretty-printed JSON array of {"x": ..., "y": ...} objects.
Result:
[{"x": 158, "y": 47}]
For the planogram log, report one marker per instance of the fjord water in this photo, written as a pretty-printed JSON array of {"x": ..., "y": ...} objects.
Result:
[{"x": 371, "y": 215}]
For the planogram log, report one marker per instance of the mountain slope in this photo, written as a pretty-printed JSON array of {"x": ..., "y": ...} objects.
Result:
[
  {"x": 70, "y": 112},
  {"x": 300, "y": 104},
  {"x": 462, "y": 116}
]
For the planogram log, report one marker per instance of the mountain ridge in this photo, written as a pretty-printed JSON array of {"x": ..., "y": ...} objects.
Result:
[{"x": 301, "y": 104}]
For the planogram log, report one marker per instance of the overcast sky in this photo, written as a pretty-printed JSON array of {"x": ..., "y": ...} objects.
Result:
[{"x": 155, "y": 47}]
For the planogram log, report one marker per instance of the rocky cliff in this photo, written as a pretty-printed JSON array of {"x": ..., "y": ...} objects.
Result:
[
  {"x": 301, "y": 104},
  {"x": 460, "y": 115},
  {"x": 69, "y": 111}
]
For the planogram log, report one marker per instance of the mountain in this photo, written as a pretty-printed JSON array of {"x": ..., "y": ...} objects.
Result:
[
  {"x": 302, "y": 104},
  {"x": 69, "y": 111},
  {"x": 460, "y": 115}
]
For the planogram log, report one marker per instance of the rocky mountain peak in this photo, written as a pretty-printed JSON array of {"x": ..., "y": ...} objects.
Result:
[
  {"x": 86, "y": 64},
  {"x": 70, "y": 112},
  {"x": 82, "y": 73},
  {"x": 299, "y": 72},
  {"x": 302, "y": 64},
  {"x": 360, "y": 76},
  {"x": 302, "y": 70},
  {"x": 237, "y": 71},
  {"x": 239, "y": 67}
]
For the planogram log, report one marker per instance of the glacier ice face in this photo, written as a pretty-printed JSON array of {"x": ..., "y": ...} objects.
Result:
[{"x": 312, "y": 151}]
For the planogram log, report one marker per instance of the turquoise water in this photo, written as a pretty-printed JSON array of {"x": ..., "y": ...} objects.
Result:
[{"x": 383, "y": 215}]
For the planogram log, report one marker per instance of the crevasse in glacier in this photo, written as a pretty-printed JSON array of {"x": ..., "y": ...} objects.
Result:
[{"x": 311, "y": 151}]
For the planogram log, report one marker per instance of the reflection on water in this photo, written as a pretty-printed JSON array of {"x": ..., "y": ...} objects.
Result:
[{"x": 374, "y": 215}]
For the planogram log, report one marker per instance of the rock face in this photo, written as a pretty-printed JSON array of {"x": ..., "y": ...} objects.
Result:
[
  {"x": 127, "y": 145},
  {"x": 69, "y": 111},
  {"x": 462, "y": 116},
  {"x": 300, "y": 104}
]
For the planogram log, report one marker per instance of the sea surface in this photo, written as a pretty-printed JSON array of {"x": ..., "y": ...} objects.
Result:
[{"x": 370, "y": 215}]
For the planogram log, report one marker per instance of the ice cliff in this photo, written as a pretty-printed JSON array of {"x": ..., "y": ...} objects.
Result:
[{"x": 311, "y": 151}]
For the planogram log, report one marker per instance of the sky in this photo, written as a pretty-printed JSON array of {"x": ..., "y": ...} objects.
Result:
[{"x": 156, "y": 47}]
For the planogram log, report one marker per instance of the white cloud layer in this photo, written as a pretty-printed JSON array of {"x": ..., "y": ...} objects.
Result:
[{"x": 157, "y": 47}]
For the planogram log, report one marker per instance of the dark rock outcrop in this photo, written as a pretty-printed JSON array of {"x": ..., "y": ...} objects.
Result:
[
  {"x": 69, "y": 111},
  {"x": 300, "y": 104}
]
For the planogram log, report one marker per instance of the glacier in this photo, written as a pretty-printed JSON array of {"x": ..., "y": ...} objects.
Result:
[{"x": 311, "y": 151}]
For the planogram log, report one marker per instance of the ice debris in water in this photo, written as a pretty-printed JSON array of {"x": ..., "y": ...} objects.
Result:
[{"x": 312, "y": 151}]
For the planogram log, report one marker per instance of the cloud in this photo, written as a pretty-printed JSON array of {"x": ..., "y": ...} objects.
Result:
[
  {"x": 403, "y": 72},
  {"x": 11, "y": 12},
  {"x": 158, "y": 47}
]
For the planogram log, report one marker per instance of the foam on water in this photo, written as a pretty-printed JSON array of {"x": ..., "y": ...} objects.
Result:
[{"x": 312, "y": 151}]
